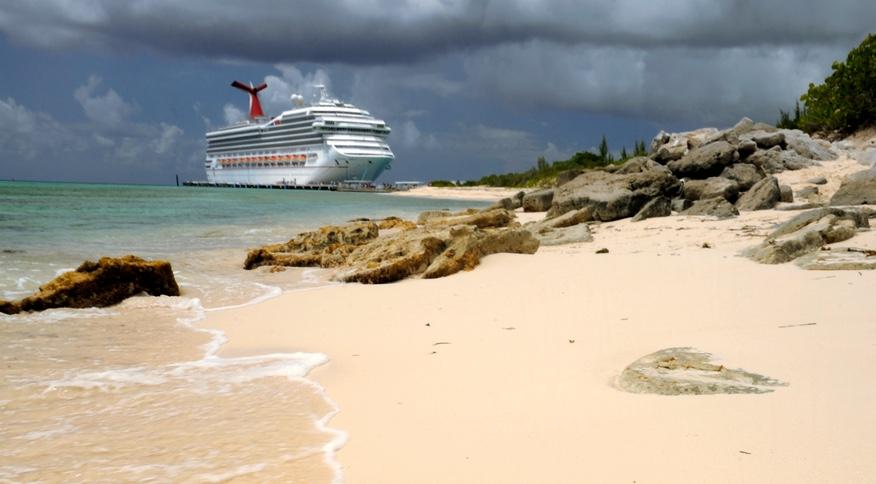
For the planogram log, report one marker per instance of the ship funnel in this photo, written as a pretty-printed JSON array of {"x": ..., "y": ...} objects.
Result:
[{"x": 255, "y": 107}]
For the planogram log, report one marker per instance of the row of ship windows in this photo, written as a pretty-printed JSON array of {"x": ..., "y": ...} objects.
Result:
[{"x": 260, "y": 165}]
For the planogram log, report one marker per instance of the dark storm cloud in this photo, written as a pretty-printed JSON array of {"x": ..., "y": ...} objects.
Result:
[{"x": 381, "y": 31}]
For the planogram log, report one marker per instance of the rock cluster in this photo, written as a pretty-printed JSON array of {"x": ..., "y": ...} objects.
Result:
[
  {"x": 809, "y": 232},
  {"x": 703, "y": 172},
  {"x": 685, "y": 371},
  {"x": 98, "y": 284},
  {"x": 440, "y": 243}
]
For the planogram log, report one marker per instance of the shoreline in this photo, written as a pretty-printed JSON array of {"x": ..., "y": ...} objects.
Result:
[
  {"x": 479, "y": 193},
  {"x": 527, "y": 404}
]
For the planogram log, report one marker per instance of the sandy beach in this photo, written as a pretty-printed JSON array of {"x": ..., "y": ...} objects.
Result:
[
  {"x": 507, "y": 373},
  {"x": 458, "y": 193}
]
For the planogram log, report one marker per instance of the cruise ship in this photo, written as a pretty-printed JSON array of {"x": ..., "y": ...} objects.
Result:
[{"x": 325, "y": 142}]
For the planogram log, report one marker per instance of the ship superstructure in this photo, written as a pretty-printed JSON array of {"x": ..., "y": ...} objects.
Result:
[{"x": 328, "y": 141}]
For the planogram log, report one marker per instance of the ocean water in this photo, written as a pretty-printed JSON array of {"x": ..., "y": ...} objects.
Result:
[{"x": 137, "y": 392}]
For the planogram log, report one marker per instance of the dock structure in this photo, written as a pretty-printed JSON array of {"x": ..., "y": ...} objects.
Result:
[{"x": 276, "y": 186}]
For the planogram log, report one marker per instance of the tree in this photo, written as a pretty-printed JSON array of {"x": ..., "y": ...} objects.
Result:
[
  {"x": 541, "y": 164},
  {"x": 624, "y": 154},
  {"x": 603, "y": 149},
  {"x": 846, "y": 100}
]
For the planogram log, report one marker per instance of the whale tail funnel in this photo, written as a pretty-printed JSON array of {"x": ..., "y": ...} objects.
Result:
[{"x": 255, "y": 107}]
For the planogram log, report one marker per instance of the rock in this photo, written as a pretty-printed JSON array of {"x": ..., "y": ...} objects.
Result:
[
  {"x": 769, "y": 161},
  {"x": 799, "y": 206},
  {"x": 786, "y": 194},
  {"x": 807, "y": 192},
  {"x": 491, "y": 217},
  {"x": 685, "y": 371},
  {"x": 808, "y": 232},
  {"x": 570, "y": 234},
  {"x": 710, "y": 188},
  {"x": 468, "y": 245},
  {"x": 684, "y": 141},
  {"x": 396, "y": 223},
  {"x": 803, "y": 145},
  {"x": 764, "y": 195},
  {"x": 602, "y": 251},
  {"x": 793, "y": 161},
  {"x": 746, "y": 148},
  {"x": 569, "y": 219},
  {"x": 819, "y": 180},
  {"x": 639, "y": 164},
  {"x": 510, "y": 203},
  {"x": 395, "y": 257},
  {"x": 614, "y": 196},
  {"x": 705, "y": 161},
  {"x": 327, "y": 247},
  {"x": 518, "y": 199},
  {"x": 839, "y": 259},
  {"x": 766, "y": 140},
  {"x": 667, "y": 153},
  {"x": 744, "y": 174},
  {"x": 566, "y": 176},
  {"x": 103, "y": 283},
  {"x": 857, "y": 189},
  {"x": 539, "y": 201},
  {"x": 681, "y": 204},
  {"x": 656, "y": 207},
  {"x": 715, "y": 207}
]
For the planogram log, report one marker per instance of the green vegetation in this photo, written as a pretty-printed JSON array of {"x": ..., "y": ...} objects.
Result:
[
  {"x": 545, "y": 174},
  {"x": 845, "y": 101}
]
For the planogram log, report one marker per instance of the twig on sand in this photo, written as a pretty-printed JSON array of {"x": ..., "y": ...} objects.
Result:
[
  {"x": 441, "y": 343},
  {"x": 744, "y": 452},
  {"x": 796, "y": 325}
]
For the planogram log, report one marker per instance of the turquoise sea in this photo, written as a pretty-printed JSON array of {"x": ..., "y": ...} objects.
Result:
[{"x": 139, "y": 391}]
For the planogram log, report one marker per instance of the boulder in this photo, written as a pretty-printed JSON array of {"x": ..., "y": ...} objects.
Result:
[
  {"x": 510, "y": 203},
  {"x": 766, "y": 140},
  {"x": 491, "y": 217},
  {"x": 103, "y": 283},
  {"x": 744, "y": 174},
  {"x": 326, "y": 247},
  {"x": 764, "y": 195},
  {"x": 807, "y": 192},
  {"x": 793, "y": 161},
  {"x": 569, "y": 219},
  {"x": 710, "y": 188},
  {"x": 614, "y": 196},
  {"x": 808, "y": 232},
  {"x": 395, "y": 257},
  {"x": 656, "y": 207},
  {"x": 538, "y": 201},
  {"x": 518, "y": 199},
  {"x": 746, "y": 148},
  {"x": 857, "y": 189},
  {"x": 668, "y": 152},
  {"x": 468, "y": 245},
  {"x": 681, "y": 204},
  {"x": 566, "y": 176},
  {"x": 818, "y": 180},
  {"x": 769, "y": 161},
  {"x": 571, "y": 234},
  {"x": 705, "y": 161},
  {"x": 685, "y": 371},
  {"x": 803, "y": 145},
  {"x": 684, "y": 141},
  {"x": 396, "y": 223},
  {"x": 638, "y": 164},
  {"x": 786, "y": 194},
  {"x": 716, "y": 207}
]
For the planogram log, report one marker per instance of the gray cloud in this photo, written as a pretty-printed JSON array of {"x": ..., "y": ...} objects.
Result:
[{"x": 383, "y": 31}]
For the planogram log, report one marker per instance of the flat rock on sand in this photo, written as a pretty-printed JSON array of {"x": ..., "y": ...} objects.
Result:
[{"x": 686, "y": 371}]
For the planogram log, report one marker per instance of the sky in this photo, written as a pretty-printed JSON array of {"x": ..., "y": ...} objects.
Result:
[{"x": 123, "y": 91}]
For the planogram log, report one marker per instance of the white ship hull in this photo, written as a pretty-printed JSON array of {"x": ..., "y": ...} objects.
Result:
[{"x": 330, "y": 167}]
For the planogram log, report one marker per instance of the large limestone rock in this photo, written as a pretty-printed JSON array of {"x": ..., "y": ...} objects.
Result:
[
  {"x": 539, "y": 201},
  {"x": 764, "y": 195},
  {"x": 744, "y": 174},
  {"x": 568, "y": 228},
  {"x": 805, "y": 146},
  {"x": 327, "y": 247},
  {"x": 808, "y": 232},
  {"x": 493, "y": 217},
  {"x": 98, "y": 284},
  {"x": 468, "y": 246},
  {"x": 656, "y": 207},
  {"x": 395, "y": 257},
  {"x": 686, "y": 371},
  {"x": 714, "y": 207},
  {"x": 613, "y": 196},
  {"x": 857, "y": 189},
  {"x": 710, "y": 188},
  {"x": 769, "y": 161},
  {"x": 766, "y": 140},
  {"x": 705, "y": 161}
]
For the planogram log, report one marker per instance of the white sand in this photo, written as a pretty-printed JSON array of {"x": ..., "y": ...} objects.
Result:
[
  {"x": 511, "y": 399},
  {"x": 461, "y": 193}
]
